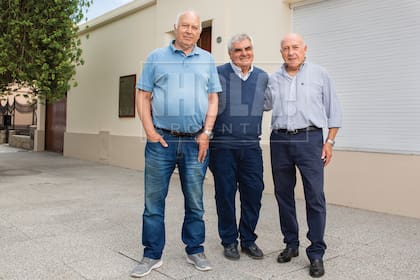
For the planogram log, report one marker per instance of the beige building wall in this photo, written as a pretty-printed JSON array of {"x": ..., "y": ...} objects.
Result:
[
  {"x": 121, "y": 40},
  {"x": 114, "y": 45},
  {"x": 380, "y": 182}
]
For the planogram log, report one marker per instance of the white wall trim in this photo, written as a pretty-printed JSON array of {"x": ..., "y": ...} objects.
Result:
[
  {"x": 114, "y": 15},
  {"x": 299, "y": 3}
]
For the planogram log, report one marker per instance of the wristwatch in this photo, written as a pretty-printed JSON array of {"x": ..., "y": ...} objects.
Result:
[
  {"x": 330, "y": 141},
  {"x": 209, "y": 133}
]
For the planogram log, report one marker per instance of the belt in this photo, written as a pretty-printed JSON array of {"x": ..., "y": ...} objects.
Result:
[
  {"x": 296, "y": 131},
  {"x": 179, "y": 134}
]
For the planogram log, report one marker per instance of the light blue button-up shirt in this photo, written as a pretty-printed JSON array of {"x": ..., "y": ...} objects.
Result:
[
  {"x": 180, "y": 85},
  {"x": 238, "y": 71},
  {"x": 307, "y": 99}
]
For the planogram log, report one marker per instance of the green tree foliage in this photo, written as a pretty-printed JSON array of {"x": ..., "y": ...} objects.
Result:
[{"x": 39, "y": 45}]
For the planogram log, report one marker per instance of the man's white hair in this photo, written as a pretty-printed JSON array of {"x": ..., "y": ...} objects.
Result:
[
  {"x": 189, "y": 11},
  {"x": 239, "y": 38}
]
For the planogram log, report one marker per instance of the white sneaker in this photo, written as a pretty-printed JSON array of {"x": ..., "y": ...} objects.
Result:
[
  {"x": 145, "y": 267},
  {"x": 200, "y": 261}
]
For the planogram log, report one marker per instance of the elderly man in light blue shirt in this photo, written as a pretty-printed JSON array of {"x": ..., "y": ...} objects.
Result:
[
  {"x": 177, "y": 102},
  {"x": 303, "y": 101}
]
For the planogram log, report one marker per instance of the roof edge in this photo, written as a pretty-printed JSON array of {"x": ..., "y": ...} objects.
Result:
[{"x": 114, "y": 15}]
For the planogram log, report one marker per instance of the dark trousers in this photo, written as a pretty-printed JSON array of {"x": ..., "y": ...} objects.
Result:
[
  {"x": 302, "y": 150},
  {"x": 237, "y": 169}
]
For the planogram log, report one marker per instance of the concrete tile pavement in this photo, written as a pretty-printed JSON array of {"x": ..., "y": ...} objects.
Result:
[{"x": 63, "y": 218}]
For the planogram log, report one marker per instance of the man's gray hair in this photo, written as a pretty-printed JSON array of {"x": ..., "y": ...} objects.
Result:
[
  {"x": 189, "y": 11},
  {"x": 239, "y": 38}
]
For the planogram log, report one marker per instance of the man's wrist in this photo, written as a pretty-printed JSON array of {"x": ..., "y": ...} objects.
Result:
[
  {"x": 209, "y": 133},
  {"x": 330, "y": 141}
]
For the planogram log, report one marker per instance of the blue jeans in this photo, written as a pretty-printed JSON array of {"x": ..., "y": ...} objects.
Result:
[
  {"x": 237, "y": 169},
  {"x": 160, "y": 163},
  {"x": 302, "y": 150}
]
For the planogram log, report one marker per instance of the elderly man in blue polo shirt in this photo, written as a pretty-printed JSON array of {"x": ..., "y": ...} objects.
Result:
[
  {"x": 177, "y": 102},
  {"x": 303, "y": 101}
]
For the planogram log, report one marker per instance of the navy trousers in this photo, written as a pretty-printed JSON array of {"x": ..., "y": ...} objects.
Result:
[
  {"x": 237, "y": 169},
  {"x": 302, "y": 150}
]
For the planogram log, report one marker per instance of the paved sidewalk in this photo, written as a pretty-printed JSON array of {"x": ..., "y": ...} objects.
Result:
[{"x": 63, "y": 218}]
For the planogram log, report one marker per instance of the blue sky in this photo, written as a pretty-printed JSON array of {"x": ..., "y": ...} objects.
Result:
[{"x": 100, "y": 7}]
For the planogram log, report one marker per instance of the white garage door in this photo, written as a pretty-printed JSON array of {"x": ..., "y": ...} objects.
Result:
[{"x": 372, "y": 51}]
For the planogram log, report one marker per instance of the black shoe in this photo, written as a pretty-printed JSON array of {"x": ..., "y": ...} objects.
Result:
[
  {"x": 287, "y": 254},
  {"x": 317, "y": 268},
  {"x": 231, "y": 252},
  {"x": 253, "y": 251}
]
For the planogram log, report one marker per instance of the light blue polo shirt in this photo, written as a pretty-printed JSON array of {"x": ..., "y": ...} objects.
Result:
[{"x": 180, "y": 85}]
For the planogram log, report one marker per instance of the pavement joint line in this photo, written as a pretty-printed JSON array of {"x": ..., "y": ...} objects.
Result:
[
  {"x": 70, "y": 216},
  {"x": 125, "y": 255},
  {"x": 131, "y": 258}
]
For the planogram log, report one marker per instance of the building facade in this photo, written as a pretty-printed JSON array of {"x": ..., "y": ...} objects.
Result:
[{"x": 361, "y": 43}]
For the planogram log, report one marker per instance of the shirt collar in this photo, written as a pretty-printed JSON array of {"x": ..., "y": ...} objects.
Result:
[
  {"x": 238, "y": 71},
  {"x": 175, "y": 50},
  {"x": 284, "y": 71}
]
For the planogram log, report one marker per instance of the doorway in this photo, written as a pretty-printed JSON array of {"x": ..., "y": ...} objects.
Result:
[{"x": 55, "y": 126}]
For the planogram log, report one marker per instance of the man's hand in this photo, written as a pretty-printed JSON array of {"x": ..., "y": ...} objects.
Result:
[
  {"x": 203, "y": 145},
  {"x": 156, "y": 137},
  {"x": 327, "y": 151}
]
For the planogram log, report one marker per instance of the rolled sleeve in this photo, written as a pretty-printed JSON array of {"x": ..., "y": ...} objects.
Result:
[
  {"x": 146, "y": 80},
  {"x": 331, "y": 103}
]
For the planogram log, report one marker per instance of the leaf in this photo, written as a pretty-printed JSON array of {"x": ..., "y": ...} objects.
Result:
[{"x": 39, "y": 45}]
